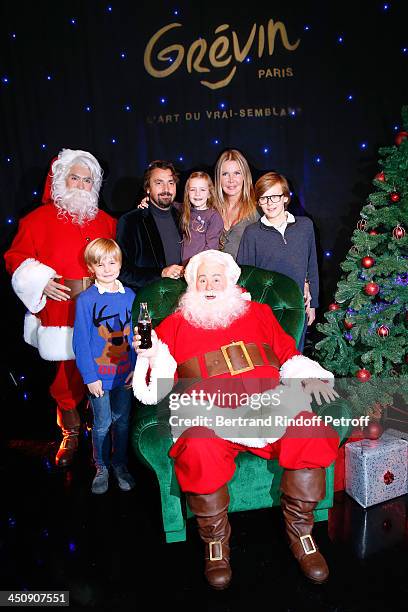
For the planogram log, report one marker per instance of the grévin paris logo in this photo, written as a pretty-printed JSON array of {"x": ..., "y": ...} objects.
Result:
[{"x": 215, "y": 62}]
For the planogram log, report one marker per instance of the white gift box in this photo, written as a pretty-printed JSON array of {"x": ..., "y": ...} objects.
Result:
[
  {"x": 394, "y": 433},
  {"x": 376, "y": 470}
]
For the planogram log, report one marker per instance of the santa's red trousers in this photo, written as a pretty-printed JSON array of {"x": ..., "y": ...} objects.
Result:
[
  {"x": 204, "y": 462},
  {"x": 68, "y": 388}
]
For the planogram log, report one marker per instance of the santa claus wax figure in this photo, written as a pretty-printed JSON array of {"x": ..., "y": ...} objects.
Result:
[
  {"x": 48, "y": 272},
  {"x": 214, "y": 324}
]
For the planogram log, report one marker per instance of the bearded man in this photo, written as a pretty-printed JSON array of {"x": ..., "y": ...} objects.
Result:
[
  {"x": 150, "y": 238},
  {"x": 218, "y": 337},
  {"x": 48, "y": 272}
]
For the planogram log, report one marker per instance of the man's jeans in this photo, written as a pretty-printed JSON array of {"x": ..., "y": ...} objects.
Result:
[{"x": 111, "y": 426}]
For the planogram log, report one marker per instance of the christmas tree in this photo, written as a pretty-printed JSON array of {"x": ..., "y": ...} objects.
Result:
[{"x": 366, "y": 329}]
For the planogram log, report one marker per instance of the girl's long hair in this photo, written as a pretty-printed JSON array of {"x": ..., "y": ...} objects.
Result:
[
  {"x": 247, "y": 202},
  {"x": 186, "y": 208}
]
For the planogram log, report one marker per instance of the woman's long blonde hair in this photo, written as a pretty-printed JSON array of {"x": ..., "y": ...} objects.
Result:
[
  {"x": 247, "y": 202},
  {"x": 186, "y": 208}
]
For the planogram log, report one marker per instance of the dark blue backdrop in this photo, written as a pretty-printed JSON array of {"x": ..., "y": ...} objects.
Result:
[{"x": 80, "y": 75}]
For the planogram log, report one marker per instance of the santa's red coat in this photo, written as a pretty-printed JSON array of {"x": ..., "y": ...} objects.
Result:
[
  {"x": 258, "y": 325},
  {"x": 204, "y": 461},
  {"x": 47, "y": 244}
]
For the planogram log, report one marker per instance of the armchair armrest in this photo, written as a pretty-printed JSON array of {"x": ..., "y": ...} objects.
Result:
[{"x": 152, "y": 443}]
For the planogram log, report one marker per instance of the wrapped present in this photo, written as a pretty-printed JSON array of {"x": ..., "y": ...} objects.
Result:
[
  {"x": 376, "y": 470},
  {"x": 340, "y": 465},
  {"x": 394, "y": 433}
]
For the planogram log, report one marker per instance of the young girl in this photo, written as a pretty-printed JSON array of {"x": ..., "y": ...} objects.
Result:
[
  {"x": 103, "y": 348},
  {"x": 200, "y": 221}
]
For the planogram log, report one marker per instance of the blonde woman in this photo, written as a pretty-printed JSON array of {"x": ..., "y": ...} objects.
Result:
[{"x": 236, "y": 200}]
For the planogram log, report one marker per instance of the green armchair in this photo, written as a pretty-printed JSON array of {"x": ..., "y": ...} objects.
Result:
[{"x": 255, "y": 483}]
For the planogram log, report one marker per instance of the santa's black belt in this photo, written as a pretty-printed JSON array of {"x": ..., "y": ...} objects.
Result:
[
  {"x": 77, "y": 285},
  {"x": 234, "y": 358}
]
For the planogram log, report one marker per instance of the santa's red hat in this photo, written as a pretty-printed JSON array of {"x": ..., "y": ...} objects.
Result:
[{"x": 46, "y": 196}]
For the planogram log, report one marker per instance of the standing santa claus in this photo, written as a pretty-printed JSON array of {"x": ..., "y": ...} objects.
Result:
[
  {"x": 48, "y": 272},
  {"x": 230, "y": 347}
]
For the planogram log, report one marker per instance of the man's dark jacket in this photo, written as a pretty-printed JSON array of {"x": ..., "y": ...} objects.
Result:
[{"x": 142, "y": 247}]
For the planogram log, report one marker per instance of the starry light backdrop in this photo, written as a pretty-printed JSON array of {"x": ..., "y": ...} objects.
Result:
[{"x": 74, "y": 74}]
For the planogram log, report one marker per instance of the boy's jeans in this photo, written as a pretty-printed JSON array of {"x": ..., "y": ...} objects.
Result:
[{"x": 111, "y": 426}]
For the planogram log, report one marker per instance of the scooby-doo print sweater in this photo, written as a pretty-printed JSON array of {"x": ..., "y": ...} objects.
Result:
[{"x": 103, "y": 335}]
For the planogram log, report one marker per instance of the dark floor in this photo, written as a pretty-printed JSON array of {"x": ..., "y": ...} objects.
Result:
[{"x": 109, "y": 550}]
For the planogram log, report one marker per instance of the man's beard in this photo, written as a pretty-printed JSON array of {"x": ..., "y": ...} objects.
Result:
[
  {"x": 80, "y": 205},
  {"x": 162, "y": 203},
  {"x": 227, "y": 306}
]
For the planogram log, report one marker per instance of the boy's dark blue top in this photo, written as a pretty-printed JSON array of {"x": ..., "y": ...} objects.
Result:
[
  {"x": 294, "y": 254},
  {"x": 103, "y": 336}
]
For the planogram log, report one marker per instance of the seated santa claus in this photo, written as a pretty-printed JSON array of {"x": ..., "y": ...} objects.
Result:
[{"x": 218, "y": 347}]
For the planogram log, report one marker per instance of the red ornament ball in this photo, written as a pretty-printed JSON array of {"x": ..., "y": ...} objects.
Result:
[
  {"x": 398, "y": 232},
  {"x": 367, "y": 262},
  {"x": 371, "y": 288},
  {"x": 347, "y": 324},
  {"x": 373, "y": 233},
  {"x": 383, "y": 331},
  {"x": 380, "y": 177},
  {"x": 400, "y": 137},
  {"x": 334, "y": 306},
  {"x": 373, "y": 430},
  {"x": 363, "y": 375},
  {"x": 395, "y": 196}
]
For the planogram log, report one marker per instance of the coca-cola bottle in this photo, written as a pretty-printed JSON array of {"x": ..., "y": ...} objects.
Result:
[{"x": 144, "y": 327}]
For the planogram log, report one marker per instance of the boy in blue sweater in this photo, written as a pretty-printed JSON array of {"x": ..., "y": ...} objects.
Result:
[
  {"x": 281, "y": 242},
  {"x": 105, "y": 358}
]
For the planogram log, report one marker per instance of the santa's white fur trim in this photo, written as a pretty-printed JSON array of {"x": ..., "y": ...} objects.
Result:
[
  {"x": 253, "y": 442},
  {"x": 161, "y": 376},
  {"x": 246, "y": 296},
  {"x": 29, "y": 281},
  {"x": 53, "y": 343},
  {"x": 31, "y": 325},
  {"x": 300, "y": 367}
]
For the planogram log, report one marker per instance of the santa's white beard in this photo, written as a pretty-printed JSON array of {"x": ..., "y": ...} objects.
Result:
[
  {"x": 80, "y": 205},
  {"x": 227, "y": 306}
]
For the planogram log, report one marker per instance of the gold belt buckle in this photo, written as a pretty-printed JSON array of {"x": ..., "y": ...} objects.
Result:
[
  {"x": 246, "y": 355},
  {"x": 212, "y": 556},
  {"x": 312, "y": 549}
]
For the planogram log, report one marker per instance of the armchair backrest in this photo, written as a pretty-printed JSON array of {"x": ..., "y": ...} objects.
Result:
[{"x": 277, "y": 290}]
